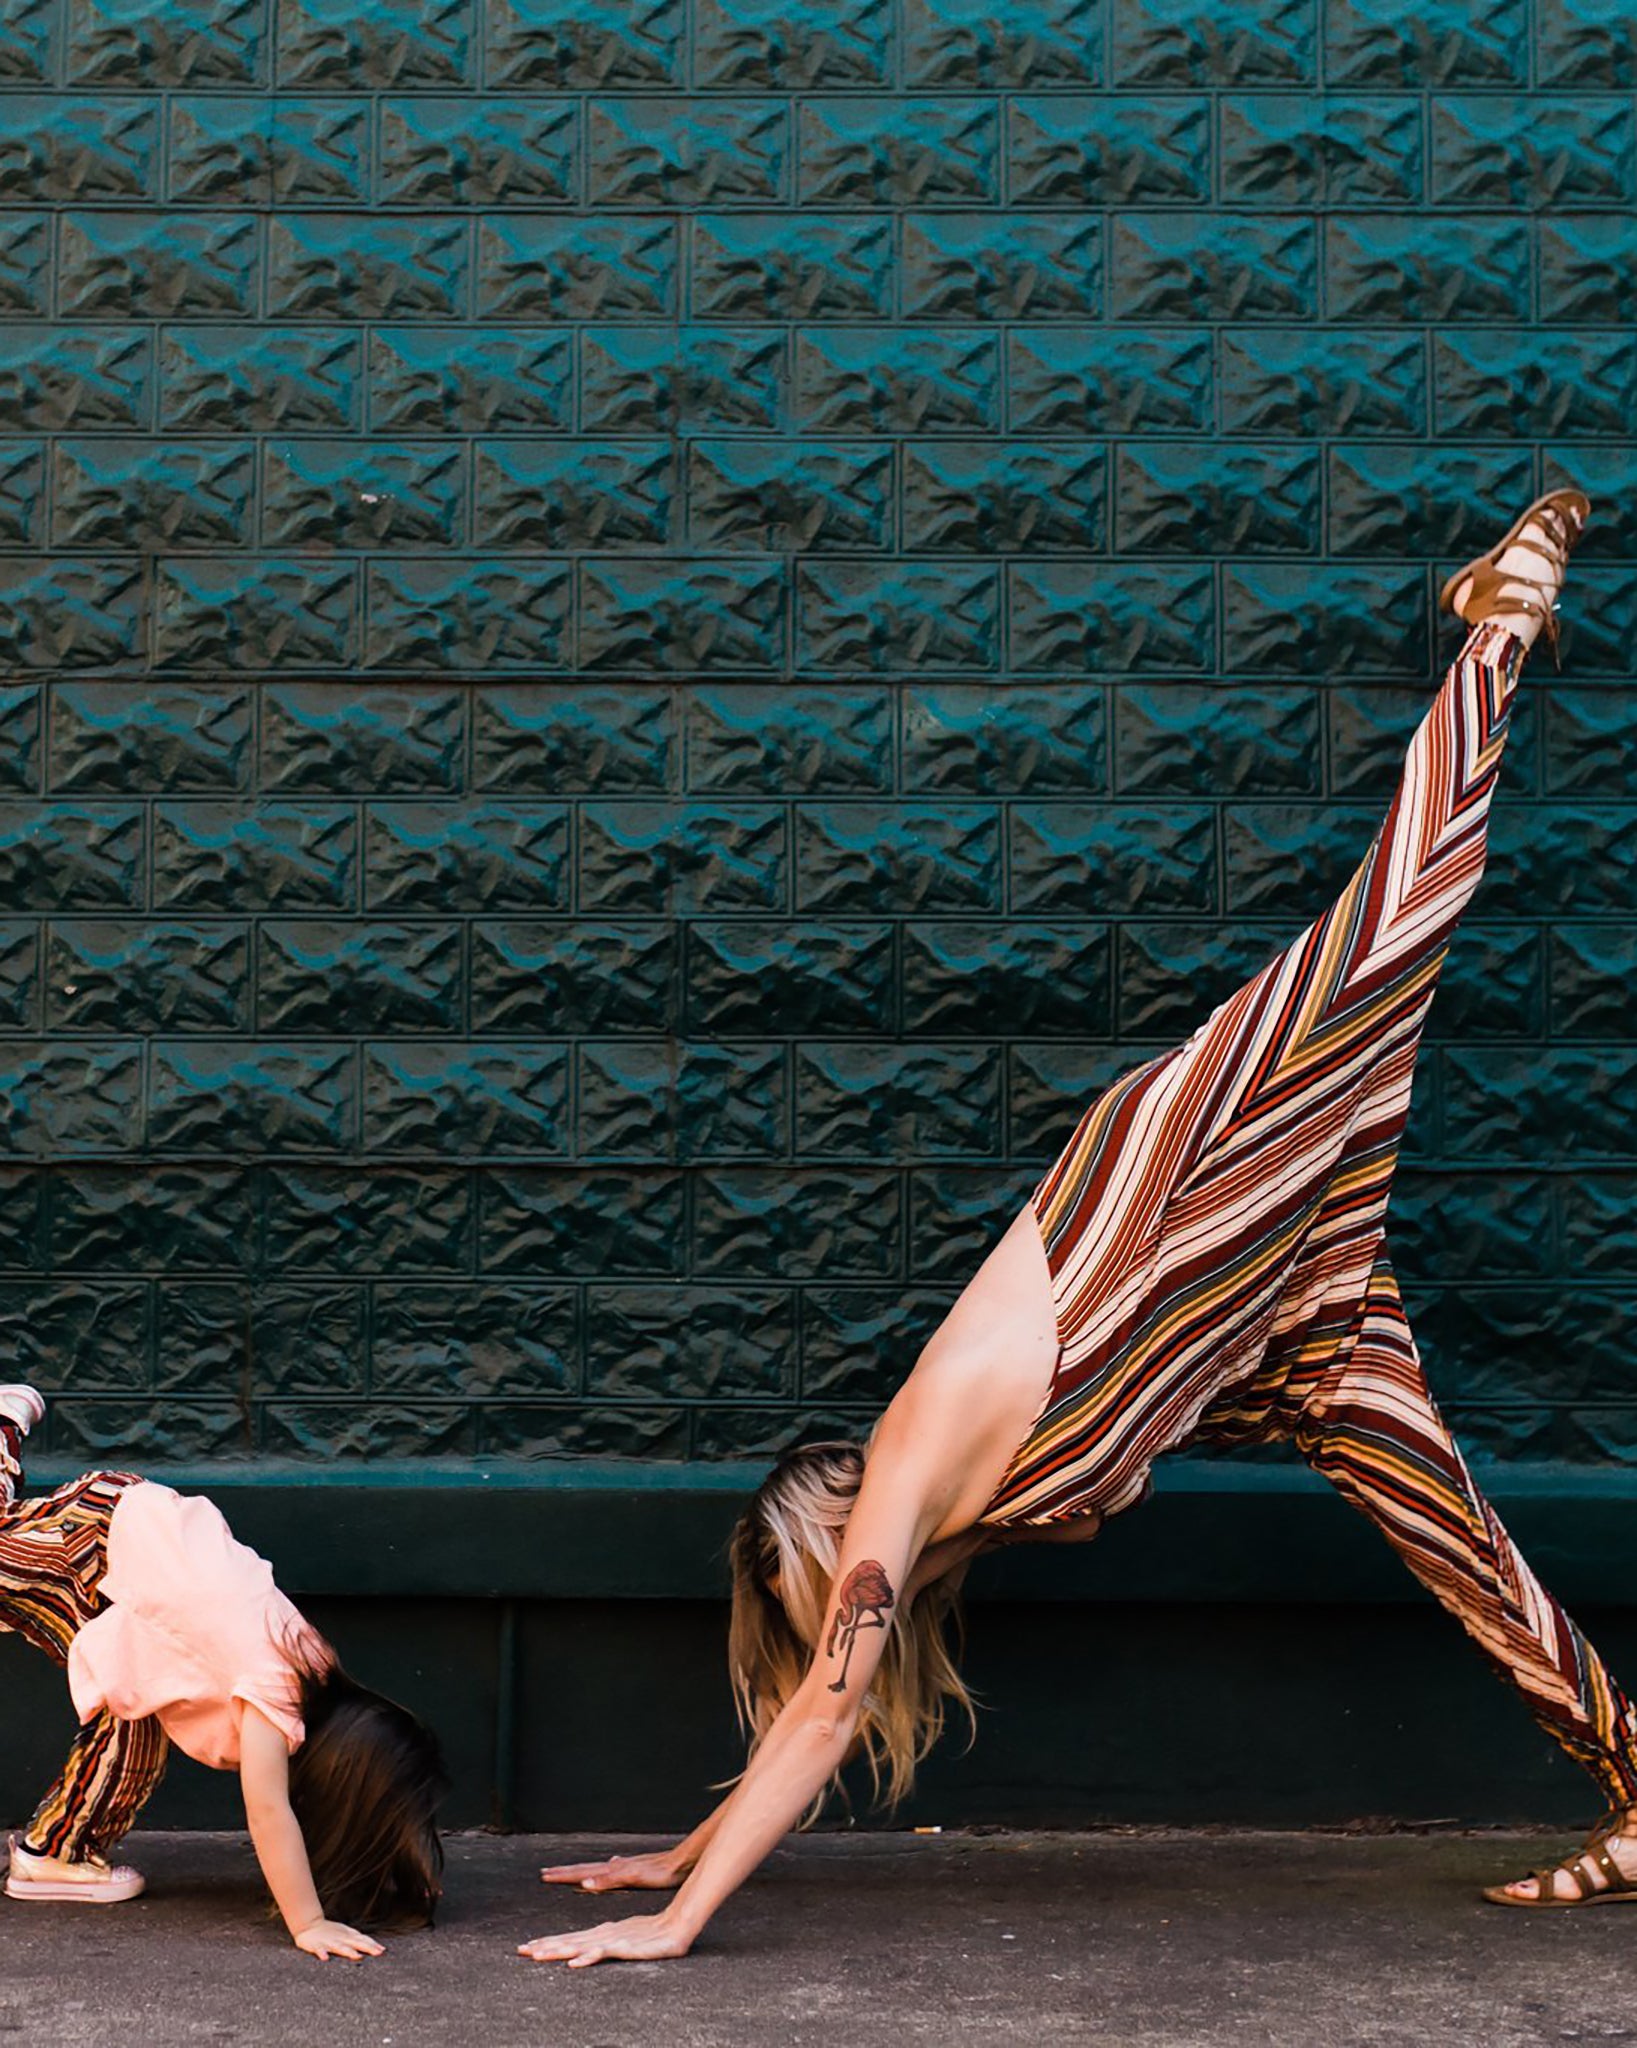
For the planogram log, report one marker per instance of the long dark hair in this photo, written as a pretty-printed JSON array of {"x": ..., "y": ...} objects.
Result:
[{"x": 364, "y": 1786}]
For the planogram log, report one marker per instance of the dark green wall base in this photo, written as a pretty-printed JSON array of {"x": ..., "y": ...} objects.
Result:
[{"x": 1243, "y": 1649}]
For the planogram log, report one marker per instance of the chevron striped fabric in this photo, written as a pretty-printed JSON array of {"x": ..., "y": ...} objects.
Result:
[
  {"x": 1214, "y": 1231},
  {"x": 53, "y": 1551}
]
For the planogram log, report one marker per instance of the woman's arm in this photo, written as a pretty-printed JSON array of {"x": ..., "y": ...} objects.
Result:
[
  {"x": 264, "y": 1778},
  {"x": 902, "y": 1499},
  {"x": 660, "y": 1870}
]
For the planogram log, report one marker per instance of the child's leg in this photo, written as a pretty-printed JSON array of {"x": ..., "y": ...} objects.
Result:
[
  {"x": 112, "y": 1769},
  {"x": 1372, "y": 1429}
]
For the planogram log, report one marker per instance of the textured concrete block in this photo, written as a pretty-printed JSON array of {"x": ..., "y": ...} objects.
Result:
[
  {"x": 1172, "y": 499},
  {"x": 220, "y": 379},
  {"x": 1597, "y": 1223},
  {"x": 767, "y": 1223},
  {"x": 783, "y": 44},
  {"x": 562, "y": 495},
  {"x": 958, "y": 1214},
  {"x": 392, "y": 43},
  {"x": 879, "y": 152},
  {"x": 922, "y": 380},
  {"x": 1590, "y": 43},
  {"x": 479, "y": 379},
  {"x": 1050, "y": 1087},
  {"x": 653, "y": 152},
  {"x": 1197, "y": 739},
  {"x": 1103, "y": 860},
  {"x": 853, "y": 857},
  {"x": 769, "y": 495},
  {"x": 1231, "y": 267},
  {"x": 681, "y": 379},
  {"x": 1386, "y": 266},
  {"x": 118, "y": 266},
  {"x": 682, "y": 1101},
  {"x": 744, "y": 975},
  {"x": 435, "y": 152},
  {"x": 1320, "y": 149},
  {"x": 1292, "y": 859},
  {"x": 1079, "y": 380},
  {"x": 536, "y": 975},
  {"x": 232, "y": 1096},
  {"x": 1303, "y": 620},
  {"x": 478, "y": 856},
  {"x": 964, "y": 979},
  {"x": 71, "y": 856},
  {"x": 1405, "y": 43},
  {"x": 457, "y": 612},
  {"x": 372, "y": 1218},
  {"x": 21, "y": 734},
  {"x": 893, "y": 1102},
  {"x": 1334, "y": 381},
  {"x": 335, "y": 266},
  {"x": 1169, "y": 977},
  {"x": 1588, "y": 267},
  {"x": 77, "y": 149},
  {"x": 978, "y": 739},
  {"x": 547, "y": 1221},
  {"x": 1543, "y": 152},
  {"x": 29, "y": 46},
  {"x": 1168, "y": 43},
  {"x": 598, "y": 44},
  {"x": 444, "y": 1341},
  {"x": 860, "y": 1343},
  {"x": 541, "y": 1429},
  {"x": 465, "y": 1098},
  {"x": 1566, "y": 1102},
  {"x": 688, "y": 615},
  {"x": 225, "y": 150},
  {"x": 228, "y": 857},
  {"x": 20, "y": 976},
  {"x": 1093, "y": 618},
  {"x": 1398, "y": 500},
  {"x": 332, "y": 979},
  {"x": 610, "y": 739},
  {"x": 695, "y": 1342},
  {"x": 170, "y": 1216},
  {"x": 701, "y": 858},
  {"x": 539, "y": 267},
  {"x": 971, "y": 498},
  {"x": 71, "y": 379},
  {"x": 1591, "y": 977},
  {"x": 156, "y": 43},
  {"x": 757, "y": 740},
  {"x": 306, "y": 1340},
  {"x": 794, "y": 266},
  {"x": 967, "y": 44},
  {"x": 327, "y": 1430},
  {"x": 76, "y": 1335},
  {"x": 1557, "y": 382},
  {"x": 166, "y": 736},
  {"x": 1075, "y": 150},
  {"x": 59, "y": 613},
  {"x": 327, "y": 494},
  {"x": 964, "y": 266},
  {"x": 254, "y": 613},
  {"x": 870, "y": 616},
  {"x": 102, "y": 975},
  {"x": 340, "y": 737},
  {"x": 123, "y": 494}
]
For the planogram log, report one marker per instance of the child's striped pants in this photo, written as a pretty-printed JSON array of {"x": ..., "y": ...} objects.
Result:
[{"x": 53, "y": 1552}]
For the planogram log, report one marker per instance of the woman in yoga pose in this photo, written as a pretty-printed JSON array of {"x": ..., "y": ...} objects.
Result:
[{"x": 1204, "y": 1264}]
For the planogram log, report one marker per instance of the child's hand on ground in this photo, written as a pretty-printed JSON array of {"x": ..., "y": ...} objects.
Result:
[
  {"x": 326, "y": 1938},
  {"x": 656, "y": 1872},
  {"x": 650, "y": 1938}
]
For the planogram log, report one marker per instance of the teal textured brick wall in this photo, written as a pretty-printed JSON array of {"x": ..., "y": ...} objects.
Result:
[{"x": 640, "y": 640}]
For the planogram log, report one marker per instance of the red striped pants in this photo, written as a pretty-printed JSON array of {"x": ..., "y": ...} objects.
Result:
[{"x": 53, "y": 1552}]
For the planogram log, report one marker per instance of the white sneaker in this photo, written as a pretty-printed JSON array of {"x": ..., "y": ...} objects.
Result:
[
  {"x": 92, "y": 1883},
  {"x": 23, "y": 1406}
]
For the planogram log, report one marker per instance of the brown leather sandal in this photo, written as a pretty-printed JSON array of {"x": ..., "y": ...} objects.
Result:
[
  {"x": 1559, "y": 518},
  {"x": 1615, "y": 1890}
]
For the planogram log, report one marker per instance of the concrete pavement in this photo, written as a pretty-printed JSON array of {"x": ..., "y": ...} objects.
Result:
[{"x": 1141, "y": 1939}]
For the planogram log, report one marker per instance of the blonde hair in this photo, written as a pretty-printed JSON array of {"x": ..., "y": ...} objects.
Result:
[{"x": 783, "y": 1557}]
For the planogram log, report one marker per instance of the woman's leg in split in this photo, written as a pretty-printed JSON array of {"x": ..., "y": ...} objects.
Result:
[{"x": 1371, "y": 1427}]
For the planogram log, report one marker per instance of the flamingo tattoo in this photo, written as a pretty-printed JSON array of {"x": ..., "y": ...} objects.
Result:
[{"x": 865, "y": 1596}]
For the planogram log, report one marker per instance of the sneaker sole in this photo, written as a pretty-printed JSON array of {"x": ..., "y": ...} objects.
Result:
[{"x": 55, "y": 1891}]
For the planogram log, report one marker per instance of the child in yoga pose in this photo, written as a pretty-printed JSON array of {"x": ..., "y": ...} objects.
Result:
[
  {"x": 1205, "y": 1263},
  {"x": 172, "y": 1631}
]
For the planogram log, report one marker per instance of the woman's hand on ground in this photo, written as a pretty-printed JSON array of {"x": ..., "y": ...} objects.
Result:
[
  {"x": 655, "y": 1872},
  {"x": 326, "y": 1938},
  {"x": 650, "y": 1938}
]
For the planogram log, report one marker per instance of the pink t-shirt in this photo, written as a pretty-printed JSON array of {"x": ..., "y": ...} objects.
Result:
[{"x": 194, "y": 1627}]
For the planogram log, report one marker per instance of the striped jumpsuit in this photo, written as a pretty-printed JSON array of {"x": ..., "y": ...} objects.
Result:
[
  {"x": 1214, "y": 1234},
  {"x": 53, "y": 1552}
]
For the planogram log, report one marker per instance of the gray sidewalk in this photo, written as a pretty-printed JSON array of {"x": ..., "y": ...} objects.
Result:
[{"x": 1154, "y": 1938}]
